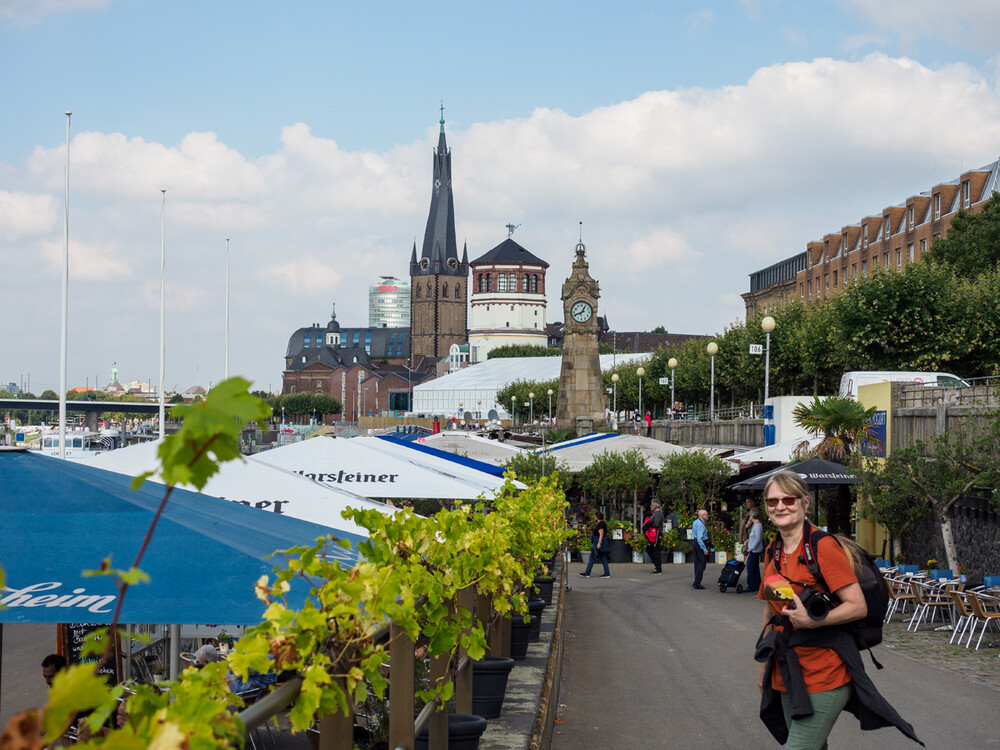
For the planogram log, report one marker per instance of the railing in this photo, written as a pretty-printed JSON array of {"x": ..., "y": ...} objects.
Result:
[{"x": 983, "y": 391}]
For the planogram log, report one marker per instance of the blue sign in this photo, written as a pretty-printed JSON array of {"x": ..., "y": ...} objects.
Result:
[{"x": 876, "y": 445}]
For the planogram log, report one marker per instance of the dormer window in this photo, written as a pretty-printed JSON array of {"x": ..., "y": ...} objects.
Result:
[
  {"x": 846, "y": 248},
  {"x": 909, "y": 217},
  {"x": 937, "y": 206},
  {"x": 966, "y": 194},
  {"x": 865, "y": 232},
  {"x": 888, "y": 227}
]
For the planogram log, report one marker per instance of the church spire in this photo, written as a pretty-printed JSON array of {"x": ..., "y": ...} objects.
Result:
[{"x": 439, "y": 254}]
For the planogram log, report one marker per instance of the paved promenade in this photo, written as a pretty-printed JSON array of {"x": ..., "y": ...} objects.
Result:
[{"x": 652, "y": 663}]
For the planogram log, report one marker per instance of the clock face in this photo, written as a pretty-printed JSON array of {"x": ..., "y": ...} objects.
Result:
[
  {"x": 452, "y": 263},
  {"x": 581, "y": 312},
  {"x": 424, "y": 263}
]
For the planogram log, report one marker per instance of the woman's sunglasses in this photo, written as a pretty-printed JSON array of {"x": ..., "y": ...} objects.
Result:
[{"x": 787, "y": 500}]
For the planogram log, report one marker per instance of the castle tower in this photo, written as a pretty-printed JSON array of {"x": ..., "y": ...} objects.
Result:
[
  {"x": 438, "y": 280},
  {"x": 508, "y": 300}
]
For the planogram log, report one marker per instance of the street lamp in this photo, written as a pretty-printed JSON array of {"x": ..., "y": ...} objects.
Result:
[
  {"x": 712, "y": 350},
  {"x": 768, "y": 325},
  {"x": 531, "y": 414},
  {"x": 672, "y": 364},
  {"x": 640, "y": 372},
  {"x": 614, "y": 398},
  {"x": 550, "y": 406},
  {"x": 479, "y": 409},
  {"x": 513, "y": 419}
]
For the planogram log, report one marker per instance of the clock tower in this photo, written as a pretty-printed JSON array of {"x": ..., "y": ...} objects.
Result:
[{"x": 581, "y": 392}]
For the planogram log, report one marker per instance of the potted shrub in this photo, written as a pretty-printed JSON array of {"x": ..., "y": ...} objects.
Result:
[{"x": 638, "y": 544}]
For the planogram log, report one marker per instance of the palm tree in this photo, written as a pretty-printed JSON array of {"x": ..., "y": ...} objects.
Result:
[{"x": 842, "y": 422}]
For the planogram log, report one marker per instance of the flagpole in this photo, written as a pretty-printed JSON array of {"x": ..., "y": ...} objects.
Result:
[
  {"x": 163, "y": 267},
  {"x": 65, "y": 307}
]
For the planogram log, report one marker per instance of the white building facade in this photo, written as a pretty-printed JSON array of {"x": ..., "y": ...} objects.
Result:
[
  {"x": 507, "y": 301},
  {"x": 389, "y": 303}
]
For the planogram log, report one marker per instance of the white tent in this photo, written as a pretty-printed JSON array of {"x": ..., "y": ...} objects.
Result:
[
  {"x": 474, "y": 388},
  {"x": 580, "y": 453},
  {"x": 379, "y": 468},
  {"x": 473, "y": 446},
  {"x": 255, "y": 484},
  {"x": 778, "y": 452}
]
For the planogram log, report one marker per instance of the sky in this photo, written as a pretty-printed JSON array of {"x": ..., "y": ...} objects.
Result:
[{"x": 696, "y": 142}]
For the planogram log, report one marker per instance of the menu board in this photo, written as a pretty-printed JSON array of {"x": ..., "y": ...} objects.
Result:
[{"x": 73, "y": 635}]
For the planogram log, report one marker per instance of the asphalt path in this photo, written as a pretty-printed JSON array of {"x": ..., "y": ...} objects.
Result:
[{"x": 650, "y": 662}]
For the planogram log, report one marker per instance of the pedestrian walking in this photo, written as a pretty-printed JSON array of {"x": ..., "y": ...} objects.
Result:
[
  {"x": 600, "y": 547},
  {"x": 636, "y": 421},
  {"x": 699, "y": 547},
  {"x": 649, "y": 425},
  {"x": 755, "y": 547},
  {"x": 819, "y": 669},
  {"x": 652, "y": 527}
]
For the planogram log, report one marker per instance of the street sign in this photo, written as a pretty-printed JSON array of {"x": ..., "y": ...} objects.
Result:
[
  {"x": 756, "y": 349},
  {"x": 664, "y": 381}
]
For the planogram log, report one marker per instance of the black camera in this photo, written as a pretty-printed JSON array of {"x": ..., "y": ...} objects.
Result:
[{"x": 817, "y": 605}]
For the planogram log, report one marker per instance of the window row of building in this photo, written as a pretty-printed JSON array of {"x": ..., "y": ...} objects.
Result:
[
  {"x": 508, "y": 282},
  {"x": 896, "y": 236}
]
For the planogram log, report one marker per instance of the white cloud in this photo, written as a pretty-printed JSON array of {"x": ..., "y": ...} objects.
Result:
[
  {"x": 310, "y": 275},
  {"x": 87, "y": 261},
  {"x": 969, "y": 23},
  {"x": 23, "y": 214},
  {"x": 702, "y": 17},
  {"x": 692, "y": 188},
  {"x": 28, "y": 12}
]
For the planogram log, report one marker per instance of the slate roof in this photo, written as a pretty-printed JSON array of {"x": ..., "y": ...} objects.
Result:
[{"x": 509, "y": 251}]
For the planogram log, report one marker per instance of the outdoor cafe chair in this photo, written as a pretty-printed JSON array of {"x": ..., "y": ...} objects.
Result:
[
  {"x": 899, "y": 596},
  {"x": 929, "y": 600},
  {"x": 966, "y": 617},
  {"x": 984, "y": 610}
]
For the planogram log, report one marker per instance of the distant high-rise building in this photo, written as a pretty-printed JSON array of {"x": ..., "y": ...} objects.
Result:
[{"x": 389, "y": 303}]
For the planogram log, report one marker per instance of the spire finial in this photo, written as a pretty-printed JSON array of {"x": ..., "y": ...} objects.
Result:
[
  {"x": 581, "y": 249},
  {"x": 442, "y": 115},
  {"x": 511, "y": 228}
]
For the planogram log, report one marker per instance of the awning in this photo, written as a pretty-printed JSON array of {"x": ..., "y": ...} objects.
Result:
[{"x": 60, "y": 518}]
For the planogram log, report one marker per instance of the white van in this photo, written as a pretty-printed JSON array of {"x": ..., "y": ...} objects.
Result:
[{"x": 851, "y": 381}]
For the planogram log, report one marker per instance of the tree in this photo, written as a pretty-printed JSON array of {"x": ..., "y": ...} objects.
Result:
[
  {"x": 523, "y": 350},
  {"x": 517, "y": 393},
  {"x": 841, "y": 421},
  {"x": 530, "y": 467},
  {"x": 972, "y": 245},
  {"x": 49, "y": 395},
  {"x": 938, "y": 473},
  {"x": 616, "y": 477},
  {"x": 659, "y": 329},
  {"x": 691, "y": 480}
]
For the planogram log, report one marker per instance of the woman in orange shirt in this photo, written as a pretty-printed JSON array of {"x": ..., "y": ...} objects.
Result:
[{"x": 827, "y": 679}]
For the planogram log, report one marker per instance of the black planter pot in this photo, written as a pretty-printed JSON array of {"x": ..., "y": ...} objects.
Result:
[
  {"x": 520, "y": 637},
  {"x": 544, "y": 586},
  {"x": 535, "y": 607},
  {"x": 489, "y": 684},
  {"x": 464, "y": 731},
  {"x": 620, "y": 552}
]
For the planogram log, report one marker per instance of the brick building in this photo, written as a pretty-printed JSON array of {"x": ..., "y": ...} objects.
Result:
[
  {"x": 439, "y": 314},
  {"x": 892, "y": 238}
]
